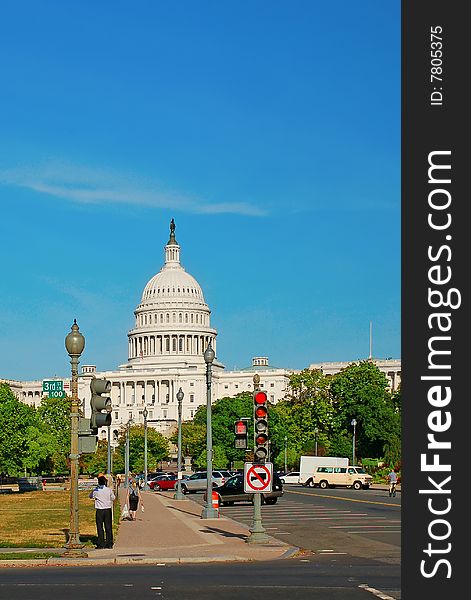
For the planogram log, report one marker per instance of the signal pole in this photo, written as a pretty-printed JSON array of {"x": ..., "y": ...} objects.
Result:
[{"x": 257, "y": 531}]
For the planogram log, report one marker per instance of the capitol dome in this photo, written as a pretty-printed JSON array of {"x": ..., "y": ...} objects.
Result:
[
  {"x": 172, "y": 283},
  {"x": 172, "y": 321}
]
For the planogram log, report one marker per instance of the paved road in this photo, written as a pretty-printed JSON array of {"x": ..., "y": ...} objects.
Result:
[
  {"x": 344, "y": 522},
  {"x": 302, "y": 579}
]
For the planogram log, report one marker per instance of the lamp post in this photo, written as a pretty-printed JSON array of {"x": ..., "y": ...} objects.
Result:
[
  {"x": 316, "y": 431},
  {"x": 179, "y": 494},
  {"x": 209, "y": 512},
  {"x": 286, "y": 457},
  {"x": 145, "y": 412},
  {"x": 126, "y": 456},
  {"x": 108, "y": 450},
  {"x": 354, "y": 424},
  {"x": 74, "y": 344}
]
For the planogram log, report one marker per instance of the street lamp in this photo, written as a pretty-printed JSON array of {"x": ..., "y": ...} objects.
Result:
[
  {"x": 74, "y": 344},
  {"x": 108, "y": 452},
  {"x": 353, "y": 423},
  {"x": 145, "y": 412},
  {"x": 316, "y": 431},
  {"x": 209, "y": 512},
  {"x": 126, "y": 456},
  {"x": 179, "y": 494},
  {"x": 286, "y": 461}
]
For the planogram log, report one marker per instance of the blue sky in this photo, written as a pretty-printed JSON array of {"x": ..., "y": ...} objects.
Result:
[{"x": 270, "y": 132}]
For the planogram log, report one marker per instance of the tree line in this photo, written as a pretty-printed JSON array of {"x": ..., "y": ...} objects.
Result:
[{"x": 316, "y": 412}]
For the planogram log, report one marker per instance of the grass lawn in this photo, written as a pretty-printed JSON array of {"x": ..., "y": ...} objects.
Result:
[
  {"x": 27, "y": 555},
  {"x": 42, "y": 519}
]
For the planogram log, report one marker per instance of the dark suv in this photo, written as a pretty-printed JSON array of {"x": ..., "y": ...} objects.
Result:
[{"x": 233, "y": 491}]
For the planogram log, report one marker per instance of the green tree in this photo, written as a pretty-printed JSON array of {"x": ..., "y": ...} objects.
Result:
[
  {"x": 193, "y": 438},
  {"x": 24, "y": 445},
  {"x": 361, "y": 391},
  {"x": 306, "y": 407},
  {"x": 157, "y": 448},
  {"x": 224, "y": 413},
  {"x": 219, "y": 459},
  {"x": 54, "y": 416},
  {"x": 96, "y": 462}
]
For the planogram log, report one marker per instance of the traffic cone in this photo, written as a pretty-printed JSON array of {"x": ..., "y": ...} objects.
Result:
[{"x": 215, "y": 501}]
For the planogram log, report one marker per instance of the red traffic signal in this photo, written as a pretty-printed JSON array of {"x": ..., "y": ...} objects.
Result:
[{"x": 260, "y": 397}]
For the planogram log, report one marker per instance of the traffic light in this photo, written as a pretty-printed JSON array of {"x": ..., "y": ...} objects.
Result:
[
  {"x": 260, "y": 426},
  {"x": 240, "y": 430},
  {"x": 98, "y": 403}
]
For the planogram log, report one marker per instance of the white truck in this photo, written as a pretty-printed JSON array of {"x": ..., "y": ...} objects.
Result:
[{"x": 307, "y": 464}]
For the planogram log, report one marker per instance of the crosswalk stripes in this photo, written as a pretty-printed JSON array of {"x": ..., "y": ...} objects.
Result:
[{"x": 292, "y": 513}]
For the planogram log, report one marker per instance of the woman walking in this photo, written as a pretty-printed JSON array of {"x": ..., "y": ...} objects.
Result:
[{"x": 132, "y": 500}]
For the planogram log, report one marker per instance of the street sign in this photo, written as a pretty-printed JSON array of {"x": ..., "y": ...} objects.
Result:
[
  {"x": 258, "y": 477},
  {"x": 54, "y": 389}
]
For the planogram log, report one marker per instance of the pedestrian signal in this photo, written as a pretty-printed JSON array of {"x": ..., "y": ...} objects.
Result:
[{"x": 240, "y": 430}]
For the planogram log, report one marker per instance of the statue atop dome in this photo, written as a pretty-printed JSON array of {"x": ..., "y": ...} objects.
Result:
[{"x": 172, "y": 239}]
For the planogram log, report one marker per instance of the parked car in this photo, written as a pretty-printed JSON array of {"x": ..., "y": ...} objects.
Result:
[
  {"x": 164, "y": 482},
  {"x": 233, "y": 491},
  {"x": 198, "y": 481},
  {"x": 291, "y": 477},
  {"x": 155, "y": 480}
]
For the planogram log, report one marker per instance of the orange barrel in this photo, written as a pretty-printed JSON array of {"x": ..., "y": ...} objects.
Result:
[{"x": 215, "y": 497}]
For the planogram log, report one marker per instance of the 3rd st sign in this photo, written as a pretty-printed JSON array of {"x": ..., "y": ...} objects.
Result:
[{"x": 54, "y": 389}]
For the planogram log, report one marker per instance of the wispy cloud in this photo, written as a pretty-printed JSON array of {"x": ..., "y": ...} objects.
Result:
[{"x": 88, "y": 185}]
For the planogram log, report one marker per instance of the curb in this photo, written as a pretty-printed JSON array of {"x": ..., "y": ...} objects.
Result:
[{"x": 158, "y": 561}]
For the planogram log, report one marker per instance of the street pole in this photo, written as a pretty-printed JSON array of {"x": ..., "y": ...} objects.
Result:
[
  {"x": 209, "y": 512},
  {"x": 126, "y": 457},
  {"x": 316, "y": 431},
  {"x": 179, "y": 494},
  {"x": 354, "y": 423},
  {"x": 74, "y": 344},
  {"x": 286, "y": 458},
  {"x": 145, "y": 414},
  {"x": 257, "y": 531},
  {"x": 108, "y": 464}
]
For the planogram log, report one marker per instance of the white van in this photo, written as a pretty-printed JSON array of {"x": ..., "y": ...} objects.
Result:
[{"x": 354, "y": 477}]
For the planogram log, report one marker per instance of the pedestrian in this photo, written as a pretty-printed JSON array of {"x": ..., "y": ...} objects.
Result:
[
  {"x": 104, "y": 498},
  {"x": 133, "y": 498},
  {"x": 392, "y": 478}
]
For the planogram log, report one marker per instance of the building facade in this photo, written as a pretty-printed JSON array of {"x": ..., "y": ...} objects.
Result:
[
  {"x": 172, "y": 329},
  {"x": 389, "y": 366}
]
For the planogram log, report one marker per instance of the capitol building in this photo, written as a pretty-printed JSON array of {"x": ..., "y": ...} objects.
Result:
[{"x": 172, "y": 329}]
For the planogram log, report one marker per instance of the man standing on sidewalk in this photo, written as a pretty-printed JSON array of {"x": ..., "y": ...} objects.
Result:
[{"x": 104, "y": 498}]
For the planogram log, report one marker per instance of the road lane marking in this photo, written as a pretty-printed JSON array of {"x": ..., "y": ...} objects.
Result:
[
  {"x": 375, "y": 592},
  {"x": 342, "y": 498},
  {"x": 357, "y": 526},
  {"x": 372, "y": 532}
]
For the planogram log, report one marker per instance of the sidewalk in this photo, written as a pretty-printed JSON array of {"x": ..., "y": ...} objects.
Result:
[{"x": 172, "y": 531}]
